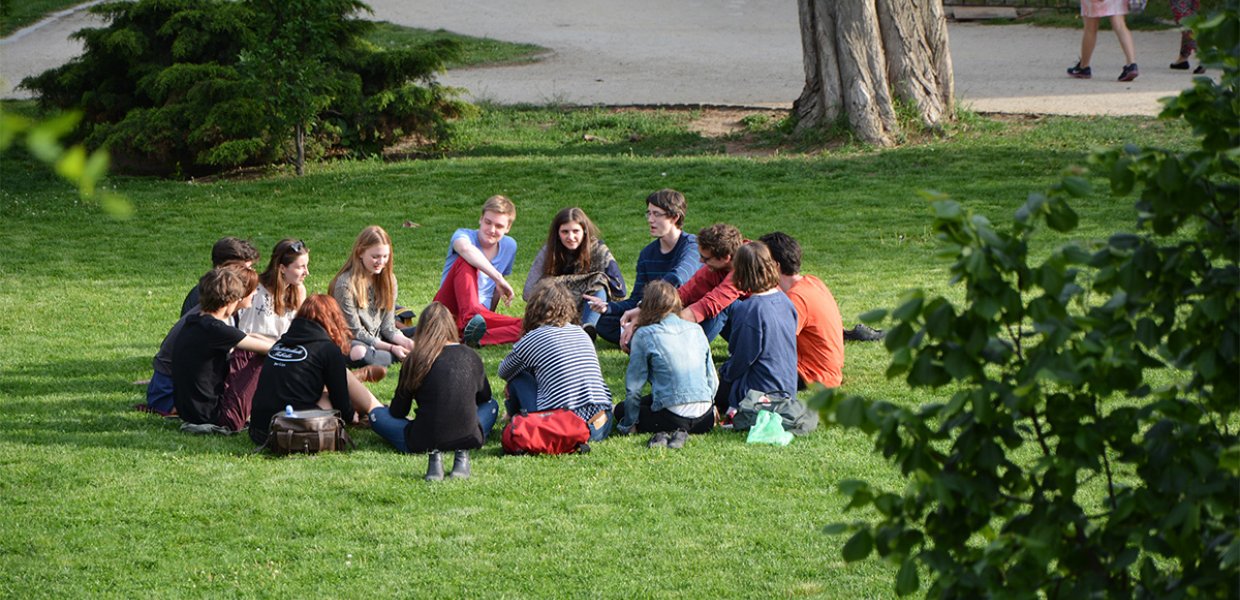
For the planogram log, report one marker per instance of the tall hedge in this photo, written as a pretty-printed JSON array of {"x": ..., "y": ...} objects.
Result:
[{"x": 195, "y": 86}]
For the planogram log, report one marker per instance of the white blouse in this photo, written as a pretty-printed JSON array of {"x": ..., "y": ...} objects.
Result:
[{"x": 260, "y": 318}]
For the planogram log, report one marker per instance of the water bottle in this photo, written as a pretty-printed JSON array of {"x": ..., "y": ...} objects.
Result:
[{"x": 288, "y": 410}]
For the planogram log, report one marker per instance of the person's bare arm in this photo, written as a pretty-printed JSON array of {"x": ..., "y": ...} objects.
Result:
[
  {"x": 255, "y": 343},
  {"x": 474, "y": 256}
]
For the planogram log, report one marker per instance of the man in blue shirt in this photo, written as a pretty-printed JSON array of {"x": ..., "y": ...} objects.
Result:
[
  {"x": 473, "y": 280},
  {"x": 672, "y": 257}
]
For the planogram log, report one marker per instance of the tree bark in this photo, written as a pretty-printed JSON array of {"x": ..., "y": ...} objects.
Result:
[
  {"x": 863, "y": 58},
  {"x": 300, "y": 141}
]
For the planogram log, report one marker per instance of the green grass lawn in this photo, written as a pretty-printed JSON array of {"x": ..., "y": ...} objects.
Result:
[
  {"x": 474, "y": 51},
  {"x": 20, "y": 13},
  {"x": 101, "y": 500}
]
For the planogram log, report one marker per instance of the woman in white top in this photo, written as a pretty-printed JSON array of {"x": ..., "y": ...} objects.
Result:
[{"x": 281, "y": 290}]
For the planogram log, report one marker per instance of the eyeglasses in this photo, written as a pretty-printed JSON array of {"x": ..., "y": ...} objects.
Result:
[
  {"x": 656, "y": 214},
  {"x": 298, "y": 246}
]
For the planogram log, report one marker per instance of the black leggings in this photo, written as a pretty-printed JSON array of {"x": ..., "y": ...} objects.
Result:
[{"x": 654, "y": 421}]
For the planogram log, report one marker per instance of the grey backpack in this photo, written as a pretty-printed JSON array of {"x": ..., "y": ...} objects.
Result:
[{"x": 795, "y": 416}]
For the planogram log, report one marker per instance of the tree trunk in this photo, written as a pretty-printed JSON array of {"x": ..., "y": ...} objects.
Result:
[
  {"x": 300, "y": 135},
  {"x": 864, "y": 57}
]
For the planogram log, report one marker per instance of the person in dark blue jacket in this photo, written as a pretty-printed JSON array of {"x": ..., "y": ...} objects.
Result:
[{"x": 763, "y": 344}]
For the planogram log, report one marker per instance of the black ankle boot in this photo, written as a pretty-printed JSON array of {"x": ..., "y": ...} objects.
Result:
[
  {"x": 434, "y": 466},
  {"x": 460, "y": 465}
]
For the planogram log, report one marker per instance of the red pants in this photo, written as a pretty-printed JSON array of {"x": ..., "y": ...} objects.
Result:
[
  {"x": 459, "y": 293},
  {"x": 243, "y": 371}
]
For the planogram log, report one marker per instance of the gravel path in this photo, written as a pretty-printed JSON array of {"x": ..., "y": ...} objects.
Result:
[{"x": 723, "y": 52}]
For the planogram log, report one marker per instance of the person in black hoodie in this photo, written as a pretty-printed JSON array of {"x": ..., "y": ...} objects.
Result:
[
  {"x": 455, "y": 408},
  {"x": 308, "y": 358}
]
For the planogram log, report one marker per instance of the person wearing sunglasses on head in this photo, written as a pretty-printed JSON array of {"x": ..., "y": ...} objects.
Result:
[{"x": 281, "y": 290}]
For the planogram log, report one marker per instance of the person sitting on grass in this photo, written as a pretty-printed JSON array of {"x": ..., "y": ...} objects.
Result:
[
  {"x": 306, "y": 369},
  {"x": 576, "y": 257},
  {"x": 280, "y": 292},
  {"x": 820, "y": 329},
  {"x": 554, "y": 364},
  {"x": 200, "y": 355},
  {"x": 225, "y": 250},
  {"x": 473, "y": 281},
  {"x": 673, "y": 356},
  {"x": 455, "y": 409},
  {"x": 365, "y": 288},
  {"x": 672, "y": 257},
  {"x": 763, "y": 343},
  {"x": 159, "y": 394},
  {"x": 159, "y": 391},
  {"x": 708, "y": 296}
]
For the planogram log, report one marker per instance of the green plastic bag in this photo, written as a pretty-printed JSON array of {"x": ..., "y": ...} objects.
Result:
[{"x": 768, "y": 429}]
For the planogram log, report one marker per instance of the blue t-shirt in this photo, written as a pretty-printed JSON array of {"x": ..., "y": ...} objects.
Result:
[{"x": 502, "y": 262}]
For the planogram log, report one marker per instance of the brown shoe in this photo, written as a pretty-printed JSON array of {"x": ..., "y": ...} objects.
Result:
[{"x": 370, "y": 373}]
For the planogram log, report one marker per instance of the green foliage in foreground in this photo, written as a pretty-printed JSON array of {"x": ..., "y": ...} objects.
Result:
[
  {"x": 1053, "y": 373},
  {"x": 194, "y": 86},
  {"x": 99, "y": 500}
]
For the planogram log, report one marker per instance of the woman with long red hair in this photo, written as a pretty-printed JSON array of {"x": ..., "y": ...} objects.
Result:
[{"x": 308, "y": 359}]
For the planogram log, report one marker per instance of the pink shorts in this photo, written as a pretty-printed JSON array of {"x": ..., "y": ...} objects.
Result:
[{"x": 1103, "y": 8}]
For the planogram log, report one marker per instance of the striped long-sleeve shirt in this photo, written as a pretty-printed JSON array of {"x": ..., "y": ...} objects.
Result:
[{"x": 563, "y": 361}]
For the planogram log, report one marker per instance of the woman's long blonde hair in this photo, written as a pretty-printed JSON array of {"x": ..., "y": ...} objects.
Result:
[
  {"x": 359, "y": 278},
  {"x": 436, "y": 328}
]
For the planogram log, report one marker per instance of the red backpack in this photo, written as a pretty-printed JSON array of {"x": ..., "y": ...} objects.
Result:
[{"x": 549, "y": 432}]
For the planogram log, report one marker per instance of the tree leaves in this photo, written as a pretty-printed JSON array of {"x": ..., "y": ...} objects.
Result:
[
  {"x": 194, "y": 86},
  {"x": 1090, "y": 434}
]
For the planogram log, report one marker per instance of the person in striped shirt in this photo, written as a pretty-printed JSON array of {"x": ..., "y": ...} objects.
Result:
[{"x": 554, "y": 364}]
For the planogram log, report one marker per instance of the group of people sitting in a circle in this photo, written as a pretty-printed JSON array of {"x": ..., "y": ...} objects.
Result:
[{"x": 250, "y": 344}]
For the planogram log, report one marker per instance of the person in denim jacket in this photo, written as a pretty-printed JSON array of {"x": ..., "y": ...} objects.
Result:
[{"x": 673, "y": 356}]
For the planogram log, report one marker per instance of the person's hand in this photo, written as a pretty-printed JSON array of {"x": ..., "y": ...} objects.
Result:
[
  {"x": 399, "y": 351},
  {"x": 505, "y": 291},
  {"x": 626, "y": 334},
  {"x": 597, "y": 304}
]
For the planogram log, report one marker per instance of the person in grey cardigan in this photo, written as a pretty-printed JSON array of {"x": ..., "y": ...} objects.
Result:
[{"x": 365, "y": 288}]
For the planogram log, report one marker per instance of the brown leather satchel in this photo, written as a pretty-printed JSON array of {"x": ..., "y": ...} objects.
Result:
[{"x": 307, "y": 432}]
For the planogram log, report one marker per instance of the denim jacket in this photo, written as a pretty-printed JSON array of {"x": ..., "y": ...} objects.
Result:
[{"x": 674, "y": 356}]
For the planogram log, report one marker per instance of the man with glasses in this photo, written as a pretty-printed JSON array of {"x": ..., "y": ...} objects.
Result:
[
  {"x": 672, "y": 257},
  {"x": 708, "y": 296}
]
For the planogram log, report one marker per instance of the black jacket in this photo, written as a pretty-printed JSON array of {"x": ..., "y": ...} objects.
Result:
[{"x": 298, "y": 367}]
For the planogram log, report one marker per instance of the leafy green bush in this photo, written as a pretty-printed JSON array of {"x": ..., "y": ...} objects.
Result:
[
  {"x": 1088, "y": 443},
  {"x": 191, "y": 86}
]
